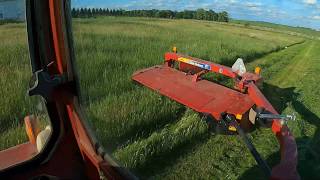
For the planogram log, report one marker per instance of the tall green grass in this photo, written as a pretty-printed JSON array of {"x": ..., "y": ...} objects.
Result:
[
  {"x": 148, "y": 133},
  {"x": 145, "y": 131},
  {"x": 300, "y": 31},
  {"x": 110, "y": 49},
  {"x": 15, "y": 72},
  {"x": 292, "y": 86}
]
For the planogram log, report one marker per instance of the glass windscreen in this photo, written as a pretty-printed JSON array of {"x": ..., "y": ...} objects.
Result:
[
  {"x": 23, "y": 119},
  {"x": 156, "y": 137}
]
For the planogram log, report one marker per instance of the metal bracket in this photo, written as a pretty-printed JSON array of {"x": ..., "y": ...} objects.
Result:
[
  {"x": 283, "y": 118},
  {"x": 196, "y": 77},
  {"x": 230, "y": 119},
  {"x": 43, "y": 84}
]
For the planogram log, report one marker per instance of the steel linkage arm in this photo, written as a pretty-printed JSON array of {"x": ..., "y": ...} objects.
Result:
[
  {"x": 200, "y": 64},
  {"x": 287, "y": 168}
]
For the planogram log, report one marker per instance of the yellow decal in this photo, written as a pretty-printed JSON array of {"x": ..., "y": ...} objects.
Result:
[
  {"x": 257, "y": 70},
  {"x": 239, "y": 116},
  {"x": 175, "y": 49},
  {"x": 182, "y": 59},
  {"x": 232, "y": 128},
  {"x": 194, "y": 63}
]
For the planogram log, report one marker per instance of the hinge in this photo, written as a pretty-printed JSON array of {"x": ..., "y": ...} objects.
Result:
[{"x": 43, "y": 84}]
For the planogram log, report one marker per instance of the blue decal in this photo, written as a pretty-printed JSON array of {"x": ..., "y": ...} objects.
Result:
[{"x": 203, "y": 66}]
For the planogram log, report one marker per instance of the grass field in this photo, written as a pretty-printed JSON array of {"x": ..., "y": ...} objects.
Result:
[
  {"x": 299, "y": 31},
  {"x": 157, "y": 138}
]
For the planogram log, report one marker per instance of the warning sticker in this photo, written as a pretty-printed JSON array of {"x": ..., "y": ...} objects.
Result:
[{"x": 195, "y": 63}]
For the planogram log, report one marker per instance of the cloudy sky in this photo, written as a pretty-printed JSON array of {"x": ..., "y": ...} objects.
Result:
[{"x": 290, "y": 12}]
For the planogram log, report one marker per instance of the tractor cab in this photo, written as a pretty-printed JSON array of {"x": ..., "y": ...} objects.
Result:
[{"x": 55, "y": 141}]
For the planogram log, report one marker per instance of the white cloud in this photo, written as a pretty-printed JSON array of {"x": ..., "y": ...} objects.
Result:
[
  {"x": 316, "y": 17},
  {"x": 310, "y": 2},
  {"x": 231, "y": 1},
  {"x": 253, "y": 4}
]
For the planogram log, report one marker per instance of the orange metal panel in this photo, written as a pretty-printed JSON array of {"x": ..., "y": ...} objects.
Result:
[
  {"x": 17, "y": 154},
  {"x": 202, "y": 96}
]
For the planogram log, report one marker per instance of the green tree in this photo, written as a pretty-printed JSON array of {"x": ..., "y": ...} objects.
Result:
[
  {"x": 107, "y": 12},
  {"x": 74, "y": 12},
  {"x": 100, "y": 12},
  {"x": 180, "y": 15},
  {"x": 200, "y": 14},
  {"x": 214, "y": 15},
  {"x": 81, "y": 14},
  {"x": 223, "y": 16},
  {"x": 188, "y": 14},
  {"x": 93, "y": 12}
]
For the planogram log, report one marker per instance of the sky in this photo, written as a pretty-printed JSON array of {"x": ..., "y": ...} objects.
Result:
[{"x": 305, "y": 13}]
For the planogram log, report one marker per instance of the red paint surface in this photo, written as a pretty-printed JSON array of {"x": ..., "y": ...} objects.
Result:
[
  {"x": 17, "y": 154},
  {"x": 202, "y": 96},
  {"x": 208, "y": 97}
]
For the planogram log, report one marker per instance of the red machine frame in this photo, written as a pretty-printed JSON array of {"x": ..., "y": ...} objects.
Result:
[
  {"x": 245, "y": 83},
  {"x": 186, "y": 86}
]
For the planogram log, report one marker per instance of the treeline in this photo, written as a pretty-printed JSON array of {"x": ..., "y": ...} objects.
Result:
[{"x": 199, "y": 14}]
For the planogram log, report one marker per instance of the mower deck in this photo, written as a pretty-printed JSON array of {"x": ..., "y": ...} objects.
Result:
[
  {"x": 223, "y": 103},
  {"x": 202, "y": 96}
]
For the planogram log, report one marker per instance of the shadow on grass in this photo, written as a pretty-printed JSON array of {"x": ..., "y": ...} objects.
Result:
[
  {"x": 143, "y": 131},
  {"x": 156, "y": 165},
  {"x": 308, "y": 147}
]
